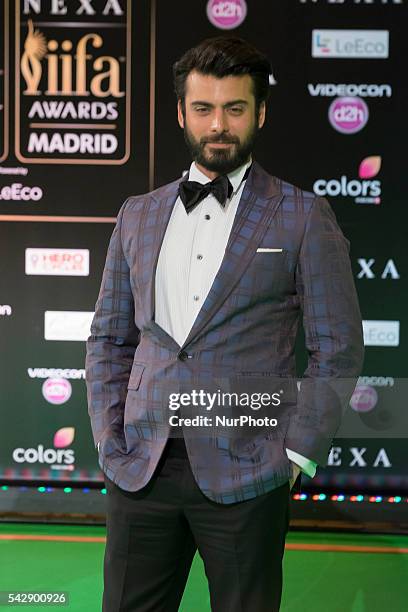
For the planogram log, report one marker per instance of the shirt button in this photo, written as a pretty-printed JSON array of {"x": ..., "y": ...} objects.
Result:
[
  {"x": 199, "y": 256},
  {"x": 196, "y": 298},
  {"x": 183, "y": 355},
  {"x": 207, "y": 217}
]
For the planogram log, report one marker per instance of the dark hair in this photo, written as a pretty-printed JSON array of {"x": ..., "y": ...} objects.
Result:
[{"x": 224, "y": 56}]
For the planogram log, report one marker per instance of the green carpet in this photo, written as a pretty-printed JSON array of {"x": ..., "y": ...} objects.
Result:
[{"x": 314, "y": 581}]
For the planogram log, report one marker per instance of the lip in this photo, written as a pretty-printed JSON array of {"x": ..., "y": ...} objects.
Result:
[{"x": 219, "y": 144}]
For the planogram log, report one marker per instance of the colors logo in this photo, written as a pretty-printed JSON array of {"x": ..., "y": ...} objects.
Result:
[
  {"x": 60, "y": 459},
  {"x": 348, "y": 115},
  {"x": 226, "y": 15},
  {"x": 57, "y": 390},
  {"x": 365, "y": 191}
]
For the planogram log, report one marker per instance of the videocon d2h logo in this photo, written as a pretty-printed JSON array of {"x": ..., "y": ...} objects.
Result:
[
  {"x": 226, "y": 14},
  {"x": 4, "y": 81},
  {"x": 348, "y": 115},
  {"x": 73, "y": 81}
]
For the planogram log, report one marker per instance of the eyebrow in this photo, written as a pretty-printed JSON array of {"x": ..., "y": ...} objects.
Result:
[{"x": 227, "y": 105}]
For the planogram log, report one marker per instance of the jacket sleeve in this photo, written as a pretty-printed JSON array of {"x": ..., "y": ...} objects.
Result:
[
  {"x": 333, "y": 334},
  {"x": 114, "y": 337}
]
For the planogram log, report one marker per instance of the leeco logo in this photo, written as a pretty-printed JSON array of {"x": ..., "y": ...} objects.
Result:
[
  {"x": 381, "y": 333},
  {"x": 368, "y": 44}
]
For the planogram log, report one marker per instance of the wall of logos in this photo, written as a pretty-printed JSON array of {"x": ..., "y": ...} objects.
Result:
[{"x": 88, "y": 117}]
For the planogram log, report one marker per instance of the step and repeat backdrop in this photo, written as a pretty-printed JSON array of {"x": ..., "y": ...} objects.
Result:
[{"x": 88, "y": 117}]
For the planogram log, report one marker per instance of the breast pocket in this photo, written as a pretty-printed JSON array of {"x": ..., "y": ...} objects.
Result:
[
  {"x": 276, "y": 258},
  {"x": 270, "y": 272}
]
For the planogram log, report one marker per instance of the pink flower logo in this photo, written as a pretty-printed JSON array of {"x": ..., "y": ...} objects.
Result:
[
  {"x": 369, "y": 167},
  {"x": 64, "y": 437}
]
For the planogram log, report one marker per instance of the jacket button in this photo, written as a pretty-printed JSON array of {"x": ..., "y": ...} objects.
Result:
[{"x": 183, "y": 355}]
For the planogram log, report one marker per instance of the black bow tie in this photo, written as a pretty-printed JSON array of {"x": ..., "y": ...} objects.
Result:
[{"x": 191, "y": 192}]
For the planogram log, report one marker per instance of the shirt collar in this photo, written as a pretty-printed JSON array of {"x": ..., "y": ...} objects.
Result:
[{"x": 235, "y": 176}]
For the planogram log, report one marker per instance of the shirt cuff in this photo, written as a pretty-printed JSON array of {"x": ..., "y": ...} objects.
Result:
[{"x": 306, "y": 465}]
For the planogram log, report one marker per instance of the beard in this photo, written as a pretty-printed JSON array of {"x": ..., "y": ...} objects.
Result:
[{"x": 217, "y": 160}]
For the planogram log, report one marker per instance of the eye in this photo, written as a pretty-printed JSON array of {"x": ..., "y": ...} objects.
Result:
[
  {"x": 236, "y": 110},
  {"x": 201, "y": 109}
]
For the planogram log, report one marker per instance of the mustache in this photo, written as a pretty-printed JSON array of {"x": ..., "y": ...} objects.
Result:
[{"x": 220, "y": 140}]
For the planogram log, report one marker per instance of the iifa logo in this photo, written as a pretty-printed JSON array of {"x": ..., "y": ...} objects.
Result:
[
  {"x": 364, "y": 191},
  {"x": 60, "y": 67},
  {"x": 73, "y": 79}
]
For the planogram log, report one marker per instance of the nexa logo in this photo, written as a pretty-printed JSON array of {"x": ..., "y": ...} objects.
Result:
[
  {"x": 366, "y": 269},
  {"x": 82, "y": 7},
  {"x": 362, "y": 90},
  {"x": 356, "y": 459}
]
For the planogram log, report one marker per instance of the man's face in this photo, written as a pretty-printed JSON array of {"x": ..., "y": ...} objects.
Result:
[{"x": 220, "y": 123}]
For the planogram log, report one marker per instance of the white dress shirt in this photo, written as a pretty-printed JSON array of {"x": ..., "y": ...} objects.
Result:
[{"x": 190, "y": 256}]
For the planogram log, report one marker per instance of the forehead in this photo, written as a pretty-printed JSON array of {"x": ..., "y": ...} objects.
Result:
[{"x": 205, "y": 87}]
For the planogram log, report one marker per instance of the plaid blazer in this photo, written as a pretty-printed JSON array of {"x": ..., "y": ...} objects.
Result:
[{"x": 243, "y": 339}]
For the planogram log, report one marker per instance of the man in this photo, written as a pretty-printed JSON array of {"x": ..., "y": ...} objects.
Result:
[{"x": 203, "y": 288}]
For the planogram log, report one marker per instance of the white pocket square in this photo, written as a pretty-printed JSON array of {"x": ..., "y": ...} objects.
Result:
[{"x": 265, "y": 250}]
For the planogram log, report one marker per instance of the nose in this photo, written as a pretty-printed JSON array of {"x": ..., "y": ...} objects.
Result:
[{"x": 219, "y": 122}]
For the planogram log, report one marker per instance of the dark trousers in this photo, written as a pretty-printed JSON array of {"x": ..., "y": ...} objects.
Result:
[{"x": 153, "y": 534}]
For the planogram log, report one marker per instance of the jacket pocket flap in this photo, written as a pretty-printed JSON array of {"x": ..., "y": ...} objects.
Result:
[{"x": 136, "y": 376}]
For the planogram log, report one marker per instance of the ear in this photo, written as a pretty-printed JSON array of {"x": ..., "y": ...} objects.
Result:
[
  {"x": 180, "y": 114},
  {"x": 262, "y": 113}
]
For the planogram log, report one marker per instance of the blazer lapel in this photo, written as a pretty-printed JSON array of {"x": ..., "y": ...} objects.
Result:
[
  {"x": 259, "y": 202},
  {"x": 151, "y": 231}
]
